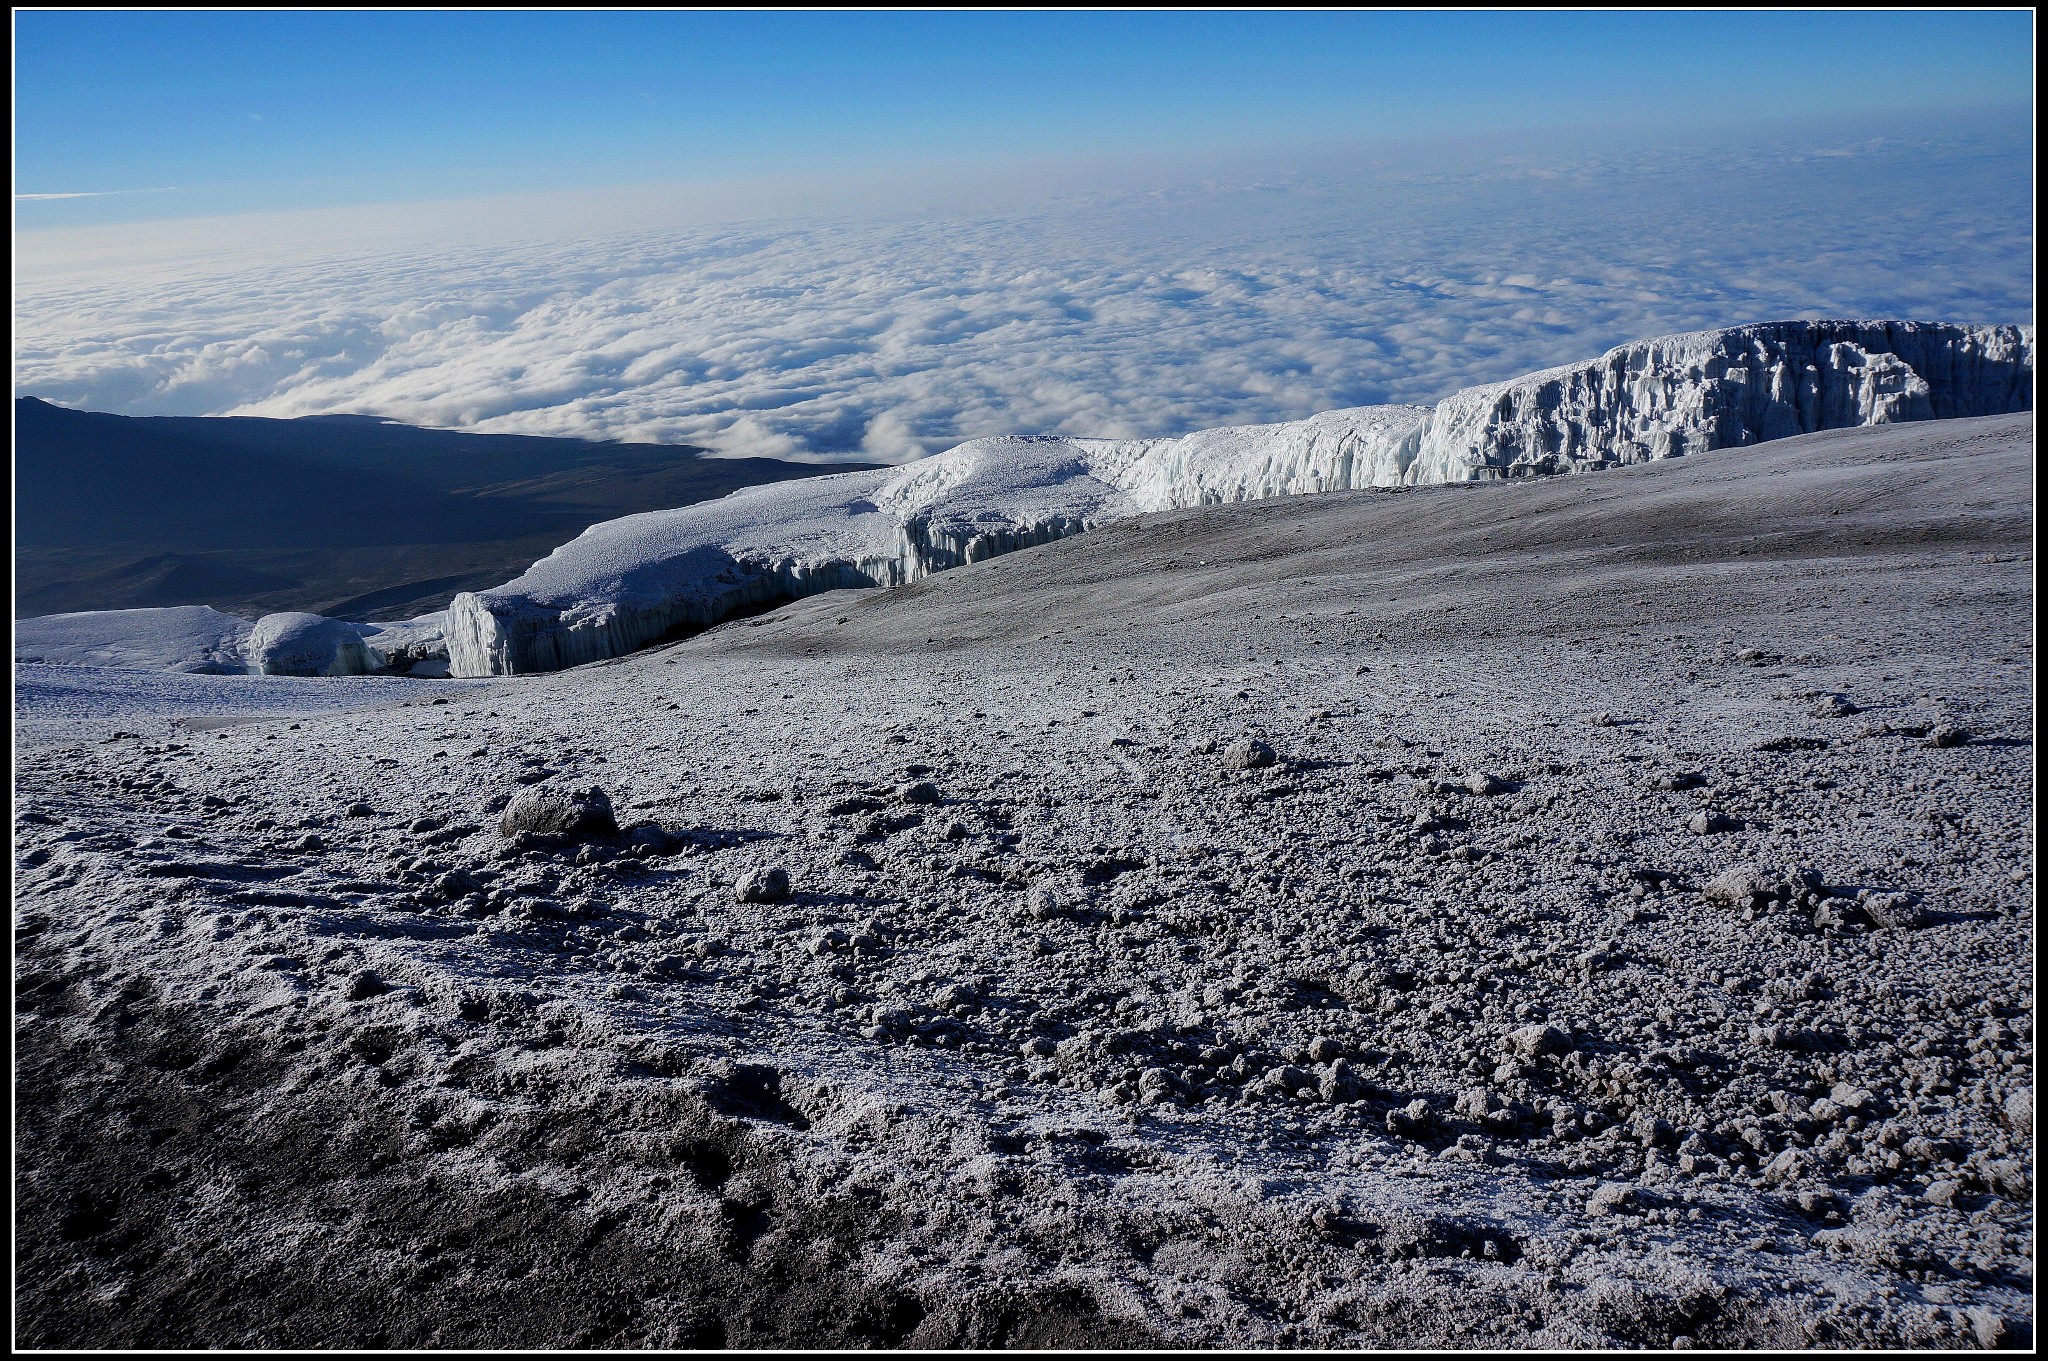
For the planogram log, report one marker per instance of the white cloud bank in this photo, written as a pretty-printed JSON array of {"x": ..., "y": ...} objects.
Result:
[{"x": 1246, "y": 297}]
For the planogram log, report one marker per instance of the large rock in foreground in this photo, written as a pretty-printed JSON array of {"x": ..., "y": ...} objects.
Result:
[
  {"x": 560, "y": 811},
  {"x": 627, "y": 583}
]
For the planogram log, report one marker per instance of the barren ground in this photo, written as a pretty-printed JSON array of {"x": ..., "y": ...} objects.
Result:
[{"x": 1068, "y": 1033}]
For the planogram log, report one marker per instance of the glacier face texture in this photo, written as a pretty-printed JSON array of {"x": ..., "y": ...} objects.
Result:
[
  {"x": 1724, "y": 389},
  {"x": 626, "y": 583},
  {"x": 197, "y": 639},
  {"x": 298, "y": 644}
]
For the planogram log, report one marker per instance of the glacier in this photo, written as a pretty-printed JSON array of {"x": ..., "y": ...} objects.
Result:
[
  {"x": 629, "y": 582},
  {"x": 198, "y": 639},
  {"x": 194, "y": 639},
  {"x": 294, "y": 643}
]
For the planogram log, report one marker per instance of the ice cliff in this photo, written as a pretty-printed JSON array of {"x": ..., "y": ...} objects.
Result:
[
  {"x": 629, "y": 582},
  {"x": 625, "y": 583},
  {"x": 297, "y": 644}
]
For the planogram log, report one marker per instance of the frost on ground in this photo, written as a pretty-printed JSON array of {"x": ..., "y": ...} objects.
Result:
[
  {"x": 628, "y": 582},
  {"x": 1574, "y": 912},
  {"x": 55, "y": 706}
]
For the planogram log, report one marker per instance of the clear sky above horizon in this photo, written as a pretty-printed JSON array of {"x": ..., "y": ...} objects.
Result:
[
  {"x": 874, "y": 235},
  {"x": 124, "y": 116}
]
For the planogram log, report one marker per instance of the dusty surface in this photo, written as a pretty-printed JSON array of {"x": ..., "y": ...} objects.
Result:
[{"x": 1068, "y": 1031}]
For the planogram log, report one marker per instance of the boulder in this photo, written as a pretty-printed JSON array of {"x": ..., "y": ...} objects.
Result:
[
  {"x": 556, "y": 810},
  {"x": 765, "y": 884},
  {"x": 1248, "y": 753}
]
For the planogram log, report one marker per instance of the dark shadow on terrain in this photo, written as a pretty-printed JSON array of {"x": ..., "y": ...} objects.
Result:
[
  {"x": 346, "y": 515},
  {"x": 131, "y": 1118}
]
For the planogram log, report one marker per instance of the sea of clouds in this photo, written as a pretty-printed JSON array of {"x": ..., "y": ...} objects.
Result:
[{"x": 1262, "y": 290}]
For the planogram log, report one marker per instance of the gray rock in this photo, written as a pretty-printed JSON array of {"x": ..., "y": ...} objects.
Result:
[
  {"x": 1651, "y": 1132},
  {"x": 1045, "y": 903},
  {"x": 1248, "y": 753},
  {"x": 919, "y": 792},
  {"x": 1534, "y": 1041},
  {"x": 1414, "y": 1120},
  {"x": 1746, "y": 885},
  {"x": 1476, "y": 1102},
  {"x": 1711, "y": 822},
  {"x": 1835, "y": 706},
  {"x": 1892, "y": 911},
  {"x": 1484, "y": 783},
  {"x": 1612, "y": 1198},
  {"x": 1290, "y": 1079},
  {"x": 1793, "y": 1165},
  {"x": 652, "y": 836},
  {"x": 2019, "y": 1111},
  {"x": 2008, "y": 1177},
  {"x": 555, "y": 810},
  {"x": 1942, "y": 1192},
  {"x": 1991, "y": 1328},
  {"x": 1156, "y": 1085},
  {"x": 364, "y": 985},
  {"x": 764, "y": 884},
  {"x": 1948, "y": 737},
  {"x": 955, "y": 997}
]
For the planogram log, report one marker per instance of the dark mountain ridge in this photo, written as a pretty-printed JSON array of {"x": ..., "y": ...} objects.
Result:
[{"x": 346, "y": 515}]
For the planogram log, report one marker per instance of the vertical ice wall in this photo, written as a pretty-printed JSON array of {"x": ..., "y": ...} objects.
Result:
[{"x": 1723, "y": 389}]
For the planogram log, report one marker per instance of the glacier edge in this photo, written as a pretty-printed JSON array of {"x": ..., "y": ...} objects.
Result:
[{"x": 624, "y": 584}]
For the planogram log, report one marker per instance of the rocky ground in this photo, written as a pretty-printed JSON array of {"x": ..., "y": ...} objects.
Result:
[{"x": 1586, "y": 912}]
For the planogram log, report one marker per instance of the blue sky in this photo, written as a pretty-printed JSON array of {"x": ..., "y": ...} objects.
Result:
[
  {"x": 171, "y": 115},
  {"x": 874, "y": 235}
]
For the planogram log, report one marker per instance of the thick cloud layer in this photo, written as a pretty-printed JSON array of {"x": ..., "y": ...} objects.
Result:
[{"x": 1128, "y": 313}]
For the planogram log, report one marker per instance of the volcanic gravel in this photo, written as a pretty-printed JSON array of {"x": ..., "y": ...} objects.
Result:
[{"x": 1587, "y": 912}]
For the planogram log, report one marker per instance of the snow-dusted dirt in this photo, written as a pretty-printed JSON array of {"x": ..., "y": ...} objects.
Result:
[{"x": 1457, "y": 1024}]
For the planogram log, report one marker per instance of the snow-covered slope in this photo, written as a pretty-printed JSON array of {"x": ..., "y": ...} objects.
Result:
[
  {"x": 629, "y": 582},
  {"x": 200, "y": 639},
  {"x": 189, "y": 638}
]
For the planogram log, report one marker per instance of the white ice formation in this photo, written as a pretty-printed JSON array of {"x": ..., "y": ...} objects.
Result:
[
  {"x": 299, "y": 644},
  {"x": 414, "y": 647},
  {"x": 190, "y": 638},
  {"x": 295, "y": 644},
  {"x": 629, "y": 582},
  {"x": 198, "y": 639}
]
